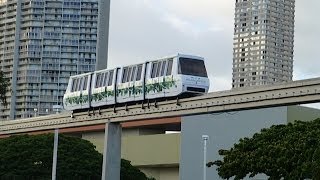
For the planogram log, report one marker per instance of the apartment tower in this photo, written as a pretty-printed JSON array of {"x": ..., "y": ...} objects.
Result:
[
  {"x": 263, "y": 42},
  {"x": 42, "y": 44}
]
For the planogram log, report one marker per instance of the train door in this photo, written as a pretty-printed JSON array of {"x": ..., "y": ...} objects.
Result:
[
  {"x": 125, "y": 86},
  {"x": 85, "y": 91},
  {"x": 154, "y": 84},
  {"x": 131, "y": 83},
  {"x": 118, "y": 84},
  {"x": 109, "y": 87},
  {"x": 96, "y": 89},
  {"x": 170, "y": 81},
  {"x": 139, "y": 82}
]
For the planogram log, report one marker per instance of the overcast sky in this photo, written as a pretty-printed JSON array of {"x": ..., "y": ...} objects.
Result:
[{"x": 141, "y": 30}]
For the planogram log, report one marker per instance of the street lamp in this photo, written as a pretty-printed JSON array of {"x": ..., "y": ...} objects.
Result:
[{"x": 205, "y": 138}]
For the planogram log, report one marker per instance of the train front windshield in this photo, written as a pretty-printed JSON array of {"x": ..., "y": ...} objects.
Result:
[{"x": 192, "y": 67}]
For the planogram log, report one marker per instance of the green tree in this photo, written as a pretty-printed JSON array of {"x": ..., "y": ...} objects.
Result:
[
  {"x": 283, "y": 151},
  {"x": 129, "y": 172},
  {"x": 30, "y": 157},
  {"x": 4, "y": 84}
]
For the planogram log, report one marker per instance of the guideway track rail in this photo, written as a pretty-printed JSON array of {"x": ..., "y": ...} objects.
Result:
[{"x": 292, "y": 93}]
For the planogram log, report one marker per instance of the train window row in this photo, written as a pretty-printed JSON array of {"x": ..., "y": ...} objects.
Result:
[
  {"x": 79, "y": 84},
  {"x": 104, "y": 79},
  {"x": 161, "y": 68},
  {"x": 132, "y": 73}
]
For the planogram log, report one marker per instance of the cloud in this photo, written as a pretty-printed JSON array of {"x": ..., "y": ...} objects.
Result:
[{"x": 141, "y": 30}]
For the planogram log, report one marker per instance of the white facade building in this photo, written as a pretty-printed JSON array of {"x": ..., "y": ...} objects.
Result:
[
  {"x": 43, "y": 43},
  {"x": 263, "y": 42}
]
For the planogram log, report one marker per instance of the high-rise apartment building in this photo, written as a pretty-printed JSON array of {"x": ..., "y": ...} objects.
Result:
[
  {"x": 263, "y": 42},
  {"x": 43, "y": 43}
]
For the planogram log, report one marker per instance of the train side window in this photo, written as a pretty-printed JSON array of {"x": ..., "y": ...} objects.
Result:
[
  {"x": 80, "y": 83},
  {"x": 110, "y": 78},
  {"x": 134, "y": 68},
  {"x": 124, "y": 74},
  {"x": 159, "y": 68},
  {"x": 153, "y": 69},
  {"x": 163, "y": 67},
  {"x": 74, "y": 84},
  {"x": 139, "y": 72},
  {"x": 129, "y": 74},
  {"x": 101, "y": 79},
  {"x": 85, "y": 83},
  {"x": 98, "y": 77},
  {"x": 77, "y": 84},
  {"x": 169, "y": 67},
  {"x": 105, "y": 80}
]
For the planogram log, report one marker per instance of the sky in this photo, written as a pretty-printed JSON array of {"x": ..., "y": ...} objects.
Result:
[{"x": 141, "y": 30}]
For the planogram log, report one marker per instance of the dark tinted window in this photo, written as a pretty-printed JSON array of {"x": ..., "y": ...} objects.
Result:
[
  {"x": 139, "y": 72},
  {"x": 105, "y": 79},
  {"x": 129, "y": 74},
  {"x": 153, "y": 69},
  {"x": 159, "y": 68},
  {"x": 192, "y": 67},
  {"x": 85, "y": 83},
  {"x": 74, "y": 85},
  {"x": 110, "y": 78},
  {"x": 162, "y": 68},
  {"x": 133, "y": 73},
  {"x": 80, "y": 82},
  {"x": 169, "y": 68},
  {"x": 124, "y": 74},
  {"x": 99, "y": 80}
]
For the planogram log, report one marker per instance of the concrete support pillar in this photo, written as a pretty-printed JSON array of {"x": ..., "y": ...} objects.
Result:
[{"x": 112, "y": 152}]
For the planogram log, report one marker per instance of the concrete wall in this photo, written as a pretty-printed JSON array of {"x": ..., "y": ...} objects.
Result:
[
  {"x": 156, "y": 155},
  {"x": 224, "y": 129},
  {"x": 302, "y": 113}
]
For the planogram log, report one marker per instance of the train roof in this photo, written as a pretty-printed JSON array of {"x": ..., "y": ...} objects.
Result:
[
  {"x": 151, "y": 60},
  {"x": 180, "y": 55},
  {"x": 168, "y": 57},
  {"x": 81, "y": 75}
]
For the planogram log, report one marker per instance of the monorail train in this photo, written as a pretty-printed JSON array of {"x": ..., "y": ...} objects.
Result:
[{"x": 166, "y": 77}]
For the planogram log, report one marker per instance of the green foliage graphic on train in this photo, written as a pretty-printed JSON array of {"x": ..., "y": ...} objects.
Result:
[
  {"x": 101, "y": 95},
  {"x": 155, "y": 87},
  {"x": 82, "y": 99}
]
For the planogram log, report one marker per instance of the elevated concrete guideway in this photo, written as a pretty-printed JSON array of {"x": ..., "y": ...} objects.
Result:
[{"x": 296, "y": 92}]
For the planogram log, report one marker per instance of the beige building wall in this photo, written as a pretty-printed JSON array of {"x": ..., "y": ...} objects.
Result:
[
  {"x": 155, "y": 150},
  {"x": 157, "y": 155}
]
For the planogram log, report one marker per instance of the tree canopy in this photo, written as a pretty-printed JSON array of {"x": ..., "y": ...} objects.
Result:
[
  {"x": 289, "y": 151},
  {"x": 30, "y": 157},
  {"x": 4, "y": 84}
]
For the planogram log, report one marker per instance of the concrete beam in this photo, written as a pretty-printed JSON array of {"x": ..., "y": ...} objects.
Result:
[{"x": 293, "y": 93}]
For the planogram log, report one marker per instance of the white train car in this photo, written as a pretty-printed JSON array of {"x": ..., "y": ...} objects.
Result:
[
  {"x": 165, "y": 77},
  {"x": 78, "y": 92}
]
